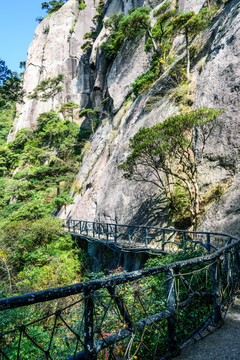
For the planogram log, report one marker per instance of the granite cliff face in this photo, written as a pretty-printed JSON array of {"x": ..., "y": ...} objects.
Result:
[{"x": 102, "y": 194}]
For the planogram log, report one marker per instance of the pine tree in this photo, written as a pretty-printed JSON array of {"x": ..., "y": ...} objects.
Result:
[
  {"x": 189, "y": 24},
  {"x": 48, "y": 89}
]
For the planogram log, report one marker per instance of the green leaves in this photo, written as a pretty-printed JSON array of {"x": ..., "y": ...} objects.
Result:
[
  {"x": 12, "y": 90},
  {"x": 124, "y": 27},
  {"x": 137, "y": 22},
  {"x": 68, "y": 108},
  {"x": 164, "y": 156},
  {"x": 63, "y": 200},
  {"x": 53, "y": 5},
  {"x": 189, "y": 23},
  {"x": 10, "y": 86},
  {"x": 47, "y": 89}
]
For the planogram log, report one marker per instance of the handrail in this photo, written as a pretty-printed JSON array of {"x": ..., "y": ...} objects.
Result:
[
  {"x": 140, "y": 237},
  {"x": 93, "y": 285},
  {"x": 218, "y": 274}
]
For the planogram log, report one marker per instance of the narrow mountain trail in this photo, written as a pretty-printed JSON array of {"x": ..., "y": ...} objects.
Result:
[{"x": 222, "y": 344}]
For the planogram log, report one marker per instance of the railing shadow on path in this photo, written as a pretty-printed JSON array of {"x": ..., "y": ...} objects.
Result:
[{"x": 148, "y": 313}]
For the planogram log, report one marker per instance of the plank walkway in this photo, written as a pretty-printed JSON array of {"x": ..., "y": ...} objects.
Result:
[{"x": 222, "y": 344}]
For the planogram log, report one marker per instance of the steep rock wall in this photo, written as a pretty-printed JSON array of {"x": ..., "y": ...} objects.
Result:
[
  {"x": 218, "y": 87},
  {"x": 55, "y": 49},
  {"x": 101, "y": 192},
  {"x": 106, "y": 196}
]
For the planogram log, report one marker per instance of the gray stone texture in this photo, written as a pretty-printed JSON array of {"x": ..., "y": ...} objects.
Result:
[
  {"x": 103, "y": 193},
  {"x": 219, "y": 87}
]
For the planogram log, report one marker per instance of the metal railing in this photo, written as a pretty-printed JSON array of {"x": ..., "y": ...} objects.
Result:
[
  {"x": 136, "y": 237},
  {"x": 142, "y": 314}
]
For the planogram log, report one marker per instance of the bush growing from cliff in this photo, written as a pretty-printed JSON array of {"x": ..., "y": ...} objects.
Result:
[
  {"x": 48, "y": 89},
  {"x": 68, "y": 109},
  {"x": 159, "y": 32},
  {"x": 144, "y": 81},
  {"x": 163, "y": 155},
  {"x": 112, "y": 46},
  {"x": 123, "y": 27},
  {"x": 53, "y": 5},
  {"x": 189, "y": 24},
  {"x": 138, "y": 22}
]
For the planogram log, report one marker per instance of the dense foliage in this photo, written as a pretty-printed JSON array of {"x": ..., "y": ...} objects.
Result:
[
  {"x": 48, "y": 89},
  {"x": 10, "y": 86},
  {"x": 36, "y": 172},
  {"x": 53, "y": 5},
  {"x": 169, "y": 23},
  {"x": 163, "y": 155},
  {"x": 37, "y": 169}
]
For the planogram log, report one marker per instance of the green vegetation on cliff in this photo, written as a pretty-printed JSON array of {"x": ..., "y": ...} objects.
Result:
[
  {"x": 37, "y": 169},
  {"x": 163, "y": 155}
]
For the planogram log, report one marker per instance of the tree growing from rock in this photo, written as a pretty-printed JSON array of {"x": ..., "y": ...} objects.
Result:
[
  {"x": 189, "y": 24},
  {"x": 163, "y": 155},
  {"x": 48, "y": 89},
  {"x": 92, "y": 116},
  {"x": 68, "y": 108},
  {"x": 164, "y": 14},
  {"x": 53, "y": 5}
]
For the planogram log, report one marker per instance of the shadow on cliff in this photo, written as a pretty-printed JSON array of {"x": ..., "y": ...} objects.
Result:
[{"x": 152, "y": 212}]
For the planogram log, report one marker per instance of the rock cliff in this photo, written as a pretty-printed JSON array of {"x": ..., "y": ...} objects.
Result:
[{"x": 101, "y": 192}]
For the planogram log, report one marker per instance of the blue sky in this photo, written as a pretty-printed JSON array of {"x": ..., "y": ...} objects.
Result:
[{"x": 17, "y": 26}]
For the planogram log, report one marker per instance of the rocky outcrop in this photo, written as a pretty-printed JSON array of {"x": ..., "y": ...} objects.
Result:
[
  {"x": 56, "y": 49},
  {"x": 102, "y": 193},
  {"x": 218, "y": 87},
  {"x": 190, "y": 5},
  {"x": 125, "y": 69}
]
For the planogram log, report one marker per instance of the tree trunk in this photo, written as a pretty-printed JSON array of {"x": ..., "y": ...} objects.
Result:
[
  {"x": 196, "y": 199},
  {"x": 158, "y": 52}
]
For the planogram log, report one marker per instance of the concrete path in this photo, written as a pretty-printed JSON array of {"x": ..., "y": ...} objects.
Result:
[{"x": 222, "y": 344}]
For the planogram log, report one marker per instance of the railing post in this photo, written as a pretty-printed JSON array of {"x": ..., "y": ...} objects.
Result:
[
  {"x": 173, "y": 348},
  {"x": 236, "y": 268},
  {"x": 90, "y": 353},
  {"x": 208, "y": 243},
  {"x": 115, "y": 233},
  {"x": 86, "y": 228},
  {"x": 107, "y": 233},
  {"x": 146, "y": 237},
  {"x": 216, "y": 281},
  {"x": 163, "y": 240},
  {"x": 184, "y": 242},
  {"x": 93, "y": 229},
  {"x": 129, "y": 237},
  {"x": 99, "y": 231}
]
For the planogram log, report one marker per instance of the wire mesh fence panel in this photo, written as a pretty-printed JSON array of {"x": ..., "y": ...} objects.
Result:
[{"x": 34, "y": 333}]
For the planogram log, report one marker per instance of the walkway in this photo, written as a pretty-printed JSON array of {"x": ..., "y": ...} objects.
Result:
[{"x": 222, "y": 344}]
